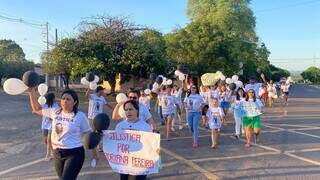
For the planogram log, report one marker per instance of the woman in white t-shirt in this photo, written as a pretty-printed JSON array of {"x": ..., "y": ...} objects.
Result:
[
  {"x": 252, "y": 108},
  {"x": 168, "y": 104},
  {"x": 238, "y": 112},
  {"x": 177, "y": 92},
  {"x": 133, "y": 122},
  {"x": 272, "y": 93},
  {"x": 46, "y": 124},
  {"x": 205, "y": 94},
  {"x": 193, "y": 102},
  {"x": 215, "y": 117},
  {"x": 144, "y": 99},
  {"x": 68, "y": 127},
  {"x": 285, "y": 91}
]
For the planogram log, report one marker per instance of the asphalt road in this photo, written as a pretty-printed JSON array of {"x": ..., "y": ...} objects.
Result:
[{"x": 288, "y": 148}]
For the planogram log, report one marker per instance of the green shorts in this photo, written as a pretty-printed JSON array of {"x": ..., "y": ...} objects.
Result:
[{"x": 253, "y": 122}]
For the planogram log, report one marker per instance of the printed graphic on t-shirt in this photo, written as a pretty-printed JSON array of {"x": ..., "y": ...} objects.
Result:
[{"x": 59, "y": 129}]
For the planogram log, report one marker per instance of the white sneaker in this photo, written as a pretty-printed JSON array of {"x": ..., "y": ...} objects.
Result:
[
  {"x": 180, "y": 127},
  {"x": 93, "y": 163},
  {"x": 172, "y": 129}
]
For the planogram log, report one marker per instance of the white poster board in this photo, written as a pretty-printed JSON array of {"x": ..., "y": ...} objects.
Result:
[{"x": 132, "y": 152}]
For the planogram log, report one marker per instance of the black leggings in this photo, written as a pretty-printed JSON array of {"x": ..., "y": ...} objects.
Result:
[
  {"x": 68, "y": 162},
  {"x": 131, "y": 177}
]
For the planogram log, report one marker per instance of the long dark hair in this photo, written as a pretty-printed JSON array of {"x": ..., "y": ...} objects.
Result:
[
  {"x": 254, "y": 95},
  {"x": 74, "y": 96},
  {"x": 134, "y": 103},
  {"x": 237, "y": 93},
  {"x": 197, "y": 90},
  {"x": 49, "y": 99}
]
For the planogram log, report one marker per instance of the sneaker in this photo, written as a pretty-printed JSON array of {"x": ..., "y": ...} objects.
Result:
[
  {"x": 236, "y": 136},
  {"x": 48, "y": 158},
  {"x": 180, "y": 127},
  {"x": 247, "y": 145},
  {"x": 93, "y": 163}
]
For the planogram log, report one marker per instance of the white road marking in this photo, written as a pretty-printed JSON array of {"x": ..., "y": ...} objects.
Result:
[
  {"x": 21, "y": 166},
  {"x": 303, "y": 159},
  {"x": 100, "y": 172},
  {"x": 193, "y": 165},
  {"x": 234, "y": 157},
  {"x": 304, "y": 150}
]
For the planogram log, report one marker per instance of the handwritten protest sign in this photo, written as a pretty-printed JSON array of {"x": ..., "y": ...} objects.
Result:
[{"x": 132, "y": 152}]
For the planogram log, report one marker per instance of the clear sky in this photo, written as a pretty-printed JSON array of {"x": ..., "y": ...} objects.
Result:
[{"x": 290, "y": 28}]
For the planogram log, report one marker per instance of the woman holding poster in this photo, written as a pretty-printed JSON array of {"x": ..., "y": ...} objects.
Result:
[{"x": 133, "y": 122}]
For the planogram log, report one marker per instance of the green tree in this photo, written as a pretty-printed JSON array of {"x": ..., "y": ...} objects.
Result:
[
  {"x": 12, "y": 60},
  {"x": 203, "y": 47},
  {"x": 11, "y": 51},
  {"x": 61, "y": 59},
  {"x": 199, "y": 9},
  {"x": 145, "y": 54},
  {"x": 312, "y": 74}
]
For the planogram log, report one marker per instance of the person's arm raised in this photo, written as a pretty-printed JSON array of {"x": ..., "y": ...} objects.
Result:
[{"x": 36, "y": 107}]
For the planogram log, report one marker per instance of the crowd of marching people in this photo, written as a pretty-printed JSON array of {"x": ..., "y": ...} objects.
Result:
[{"x": 209, "y": 106}]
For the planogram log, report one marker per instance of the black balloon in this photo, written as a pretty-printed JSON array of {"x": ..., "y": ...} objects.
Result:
[
  {"x": 101, "y": 122},
  {"x": 90, "y": 76},
  {"x": 232, "y": 86},
  {"x": 91, "y": 140},
  {"x": 159, "y": 80},
  {"x": 30, "y": 78}
]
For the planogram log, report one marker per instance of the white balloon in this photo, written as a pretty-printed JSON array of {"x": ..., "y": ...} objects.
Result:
[
  {"x": 288, "y": 81},
  {"x": 14, "y": 86},
  {"x": 42, "y": 89},
  {"x": 93, "y": 85},
  {"x": 239, "y": 84},
  {"x": 229, "y": 81},
  {"x": 96, "y": 79},
  {"x": 182, "y": 77},
  {"x": 169, "y": 82},
  {"x": 222, "y": 78},
  {"x": 177, "y": 72},
  {"x": 42, "y": 100},
  {"x": 164, "y": 81},
  {"x": 235, "y": 78},
  {"x": 121, "y": 97},
  {"x": 121, "y": 112},
  {"x": 84, "y": 81},
  {"x": 147, "y": 91},
  {"x": 155, "y": 86}
]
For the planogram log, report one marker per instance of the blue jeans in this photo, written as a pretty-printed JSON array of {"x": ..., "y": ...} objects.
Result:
[
  {"x": 193, "y": 121},
  {"x": 160, "y": 114}
]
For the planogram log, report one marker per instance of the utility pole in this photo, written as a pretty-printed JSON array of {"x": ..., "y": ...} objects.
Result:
[
  {"x": 56, "y": 36},
  {"x": 47, "y": 35}
]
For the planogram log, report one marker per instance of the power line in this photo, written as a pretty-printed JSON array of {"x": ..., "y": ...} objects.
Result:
[
  {"x": 288, "y": 6},
  {"x": 20, "y": 20}
]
